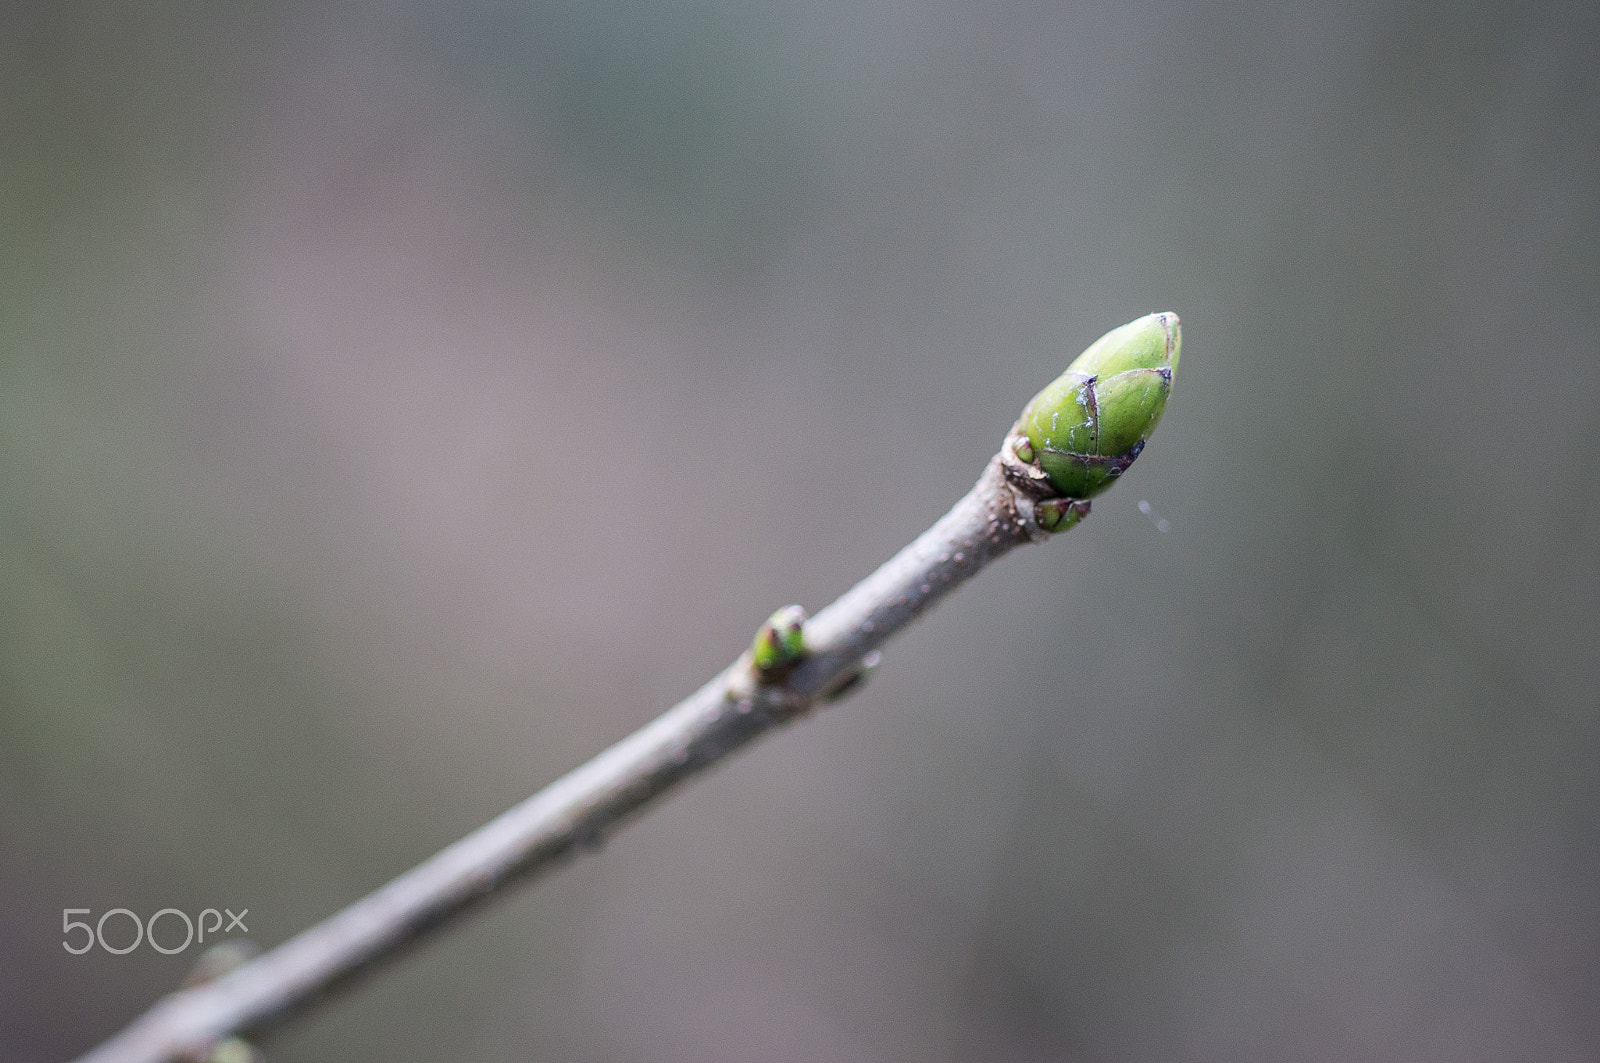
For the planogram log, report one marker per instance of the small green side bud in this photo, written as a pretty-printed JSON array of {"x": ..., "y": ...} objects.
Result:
[
  {"x": 1092, "y": 421},
  {"x": 1059, "y": 514},
  {"x": 779, "y": 643},
  {"x": 1024, "y": 450}
]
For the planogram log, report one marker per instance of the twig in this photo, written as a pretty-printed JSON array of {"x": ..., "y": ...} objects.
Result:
[{"x": 1014, "y": 501}]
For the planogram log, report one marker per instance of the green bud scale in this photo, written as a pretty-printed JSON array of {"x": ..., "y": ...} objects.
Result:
[{"x": 1091, "y": 422}]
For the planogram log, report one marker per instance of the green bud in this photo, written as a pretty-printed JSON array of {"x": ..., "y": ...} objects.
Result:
[
  {"x": 1024, "y": 450},
  {"x": 1059, "y": 514},
  {"x": 234, "y": 1050},
  {"x": 779, "y": 643},
  {"x": 1089, "y": 425}
]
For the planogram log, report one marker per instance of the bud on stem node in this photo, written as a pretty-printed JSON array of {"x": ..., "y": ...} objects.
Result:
[{"x": 779, "y": 644}]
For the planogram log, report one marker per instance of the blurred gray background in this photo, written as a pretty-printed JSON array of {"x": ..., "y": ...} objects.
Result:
[{"x": 315, "y": 319}]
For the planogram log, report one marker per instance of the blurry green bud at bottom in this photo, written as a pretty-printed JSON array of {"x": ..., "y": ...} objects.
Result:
[
  {"x": 234, "y": 1050},
  {"x": 1092, "y": 421}
]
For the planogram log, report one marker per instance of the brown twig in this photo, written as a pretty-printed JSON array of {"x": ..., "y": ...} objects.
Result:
[
  {"x": 578, "y": 810},
  {"x": 1073, "y": 440}
]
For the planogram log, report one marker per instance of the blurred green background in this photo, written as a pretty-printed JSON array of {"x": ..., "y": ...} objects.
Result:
[{"x": 399, "y": 403}]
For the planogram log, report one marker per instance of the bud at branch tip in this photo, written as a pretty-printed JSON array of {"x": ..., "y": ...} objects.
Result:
[{"x": 1090, "y": 423}]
